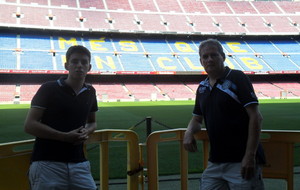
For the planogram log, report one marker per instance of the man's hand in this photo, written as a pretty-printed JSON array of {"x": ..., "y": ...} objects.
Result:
[
  {"x": 77, "y": 136},
  {"x": 248, "y": 167},
  {"x": 189, "y": 142}
]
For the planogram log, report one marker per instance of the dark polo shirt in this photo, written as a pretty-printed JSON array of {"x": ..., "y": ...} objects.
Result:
[
  {"x": 225, "y": 116},
  {"x": 64, "y": 110}
]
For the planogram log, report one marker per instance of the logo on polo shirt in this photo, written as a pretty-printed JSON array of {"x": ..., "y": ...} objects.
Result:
[
  {"x": 202, "y": 89},
  {"x": 253, "y": 95},
  {"x": 226, "y": 84}
]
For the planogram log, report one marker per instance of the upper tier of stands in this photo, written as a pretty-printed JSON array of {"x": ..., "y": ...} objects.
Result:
[
  {"x": 26, "y": 52},
  {"x": 153, "y": 16}
]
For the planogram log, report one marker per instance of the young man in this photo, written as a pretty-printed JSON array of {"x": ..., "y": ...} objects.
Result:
[
  {"x": 61, "y": 117},
  {"x": 227, "y": 103}
]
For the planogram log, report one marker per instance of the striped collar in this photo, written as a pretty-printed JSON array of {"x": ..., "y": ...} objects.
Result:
[
  {"x": 61, "y": 82},
  {"x": 225, "y": 75}
]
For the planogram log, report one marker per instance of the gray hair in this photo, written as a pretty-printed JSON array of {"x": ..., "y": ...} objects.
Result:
[{"x": 212, "y": 42}]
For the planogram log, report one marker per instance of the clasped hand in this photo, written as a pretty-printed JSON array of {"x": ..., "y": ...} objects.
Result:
[{"x": 77, "y": 136}]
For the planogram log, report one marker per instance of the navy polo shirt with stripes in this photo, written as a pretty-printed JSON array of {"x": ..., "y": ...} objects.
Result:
[
  {"x": 223, "y": 109},
  {"x": 64, "y": 110}
]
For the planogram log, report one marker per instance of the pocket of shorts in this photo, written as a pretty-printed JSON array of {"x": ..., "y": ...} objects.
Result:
[
  {"x": 87, "y": 165},
  {"x": 34, "y": 172},
  {"x": 84, "y": 165}
]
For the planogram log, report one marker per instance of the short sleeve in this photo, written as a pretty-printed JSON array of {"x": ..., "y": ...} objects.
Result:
[
  {"x": 41, "y": 98},
  {"x": 197, "y": 109},
  {"x": 245, "y": 90},
  {"x": 95, "y": 103}
]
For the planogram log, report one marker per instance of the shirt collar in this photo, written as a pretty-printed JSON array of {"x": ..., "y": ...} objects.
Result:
[
  {"x": 226, "y": 72},
  {"x": 220, "y": 80},
  {"x": 61, "y": 82},
  {"x": 224, "y": 76}
]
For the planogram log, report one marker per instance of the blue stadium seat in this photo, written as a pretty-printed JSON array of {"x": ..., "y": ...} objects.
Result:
[
  {"x": 252, "y": 63},
  {"x": 36, "y": 60},
  {"x": 8, "y": 59},
  {"x": 36, "y": 42},
  {"x": 8, "y": 41},
  {"x": 290, "y": 46},
  {"x": 280, "y": 63},
  {"x": 155, "y": 46},
  {"x": 112, "y": 54},
  {"x": 136, "y": 62},
  {"x": 296, "y": 59},
  {"x": 264, "y": 46},
  {"x": 166, "y": 62},
  {"x": 106, "y": 62}
]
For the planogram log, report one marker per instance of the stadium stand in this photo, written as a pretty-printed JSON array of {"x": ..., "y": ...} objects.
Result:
[
  {"x": 230, "y": 25},
  {"x": 112, "y": 54},
  {"x": 118, "y": 5},
  {"x": 66, "y": 18},
  {"x": 112, "y": 91},
  {"x": 255, "y": 17},
  {"x": 176, "y": 91},
  {"x": 216, "y": 7},
  {"x": 147, "y": 50},
  {"x": 7, "y": 92},
  {"x": 266, "y": 90},
  {"x": 145, "y": 91},
  {"x": 68, "y": 3},
  {"x": 205, "y": 24},
  {"x": 292, "y": 88},
  {"x": 151, "y": 38},
  {"x": 242, "y": 7},
  {"x": 178, "y": 23},
  {"x": 264, "y": 7},
  {"x": 91, "y": 20},
  {"x": 34, "y": 16},
  {"x": 289, "y": 6},
  {"x": 91, "y": 4},
  {"x": 33, "y": 2},
  {"x": 144, "y": 5},
  {"x": 27, "y": 91}
]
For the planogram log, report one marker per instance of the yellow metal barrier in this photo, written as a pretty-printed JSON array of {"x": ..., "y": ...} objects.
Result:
[
  {"x": 105, "y": 136},
  {"x": 14, "y": 164},
  {"x": 278, "y": 145},
  {"x": 152, "y": 156},
  {"x": 279, "y": 149}
]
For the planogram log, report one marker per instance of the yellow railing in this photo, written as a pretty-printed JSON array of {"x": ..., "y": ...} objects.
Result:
[
  {"x": 14, "y": 163},
  {"x": 279, "y": 149},
  {"x": 152, "y": 155},
  {"x": 103, "y": 137},
  {"x": 278, "y": 145}
]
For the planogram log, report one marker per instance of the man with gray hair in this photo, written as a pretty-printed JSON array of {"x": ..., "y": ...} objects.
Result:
[{"x": 227, "y": 104}]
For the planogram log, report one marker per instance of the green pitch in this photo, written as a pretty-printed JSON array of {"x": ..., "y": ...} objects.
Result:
[{"x": 278, "y": 115}]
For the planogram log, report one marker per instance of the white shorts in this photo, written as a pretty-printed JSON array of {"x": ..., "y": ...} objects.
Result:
[
  {"x": 225, "y": 176},
  {"x": 49, "y": 175}
]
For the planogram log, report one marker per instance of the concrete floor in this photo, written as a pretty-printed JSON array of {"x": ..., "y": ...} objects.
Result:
[{"x": 173, "y": 183}]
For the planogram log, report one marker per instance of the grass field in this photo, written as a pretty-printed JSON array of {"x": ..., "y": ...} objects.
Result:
[{"x": 278, "y": 114}]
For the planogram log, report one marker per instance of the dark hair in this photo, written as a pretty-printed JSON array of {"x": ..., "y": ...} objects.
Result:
[
  {"x": 213, "y": 42},
  {"x": 78, "y": 49}
]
